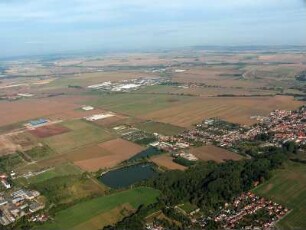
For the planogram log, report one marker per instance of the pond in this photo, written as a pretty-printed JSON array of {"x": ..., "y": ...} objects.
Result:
[{"x": 127, "y": 176}]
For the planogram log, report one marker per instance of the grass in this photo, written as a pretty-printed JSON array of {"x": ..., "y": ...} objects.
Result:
[
  {"x": 60, "y": 170},
  {"x": 69, "y": 189},
  {"x": 158, "y": 127},
  {"x": 187, "y": 207},
  {"x": 9, "y": 162},
  {"x": 40, "y": 152},
  {"x": 137, "y": 104},
  {"x": 87, "y": 210},
  {"x": 288, "y": 187},
  {"x": 82, "y": 133}
]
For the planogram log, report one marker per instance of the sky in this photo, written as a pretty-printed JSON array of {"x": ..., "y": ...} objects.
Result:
[{"x": 31, "y": 27}]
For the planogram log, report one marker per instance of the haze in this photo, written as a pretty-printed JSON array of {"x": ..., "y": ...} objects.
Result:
[{"x": 29, "y": 27}]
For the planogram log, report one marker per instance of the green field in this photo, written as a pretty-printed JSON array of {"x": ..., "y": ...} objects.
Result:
[
  {"x": 69, "y": 189},
  {"x": 10, "y": 162},
  {"x": 73, "y": 217},
  {"x": 158, "y": 127},
  {"x": 188, "y": 207},
  {"x": 137, "y": 104},
  {"x": 59, "y": 170},
  {"x": 40, "y": 152},
  {"x": 288, "y": 187},
  {"x": 82, "y": 133}
]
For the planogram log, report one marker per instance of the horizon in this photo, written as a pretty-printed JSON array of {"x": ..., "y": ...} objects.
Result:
[{"x": 211, "y": 49}]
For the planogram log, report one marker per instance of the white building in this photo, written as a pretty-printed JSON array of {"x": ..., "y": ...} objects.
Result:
[
  {"x": 98, "y": 116},
  {"x": 87, "y": 108}
]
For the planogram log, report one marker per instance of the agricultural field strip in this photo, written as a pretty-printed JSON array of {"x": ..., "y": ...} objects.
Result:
[
  {"x": 288, "y": 187},
  {"x": 81, "y": 212}
]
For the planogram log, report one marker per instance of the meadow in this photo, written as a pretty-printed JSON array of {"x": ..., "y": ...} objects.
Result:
[
  {"x": 59, "y": 170},
  {"x": 87, "y": 211},
  {"x": 137, "y": 104},
  {"x": 68, "y": 190},
  {"x": 160, "y": 128},
  {"x": 288, "y": 187},
  {"x": 204, "y": 90}
]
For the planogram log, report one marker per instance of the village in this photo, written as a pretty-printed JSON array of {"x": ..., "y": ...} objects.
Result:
[
  {"x": 247, "y": 211},
  {"x": 274, "y": 130},
  {"x": 244, "y": 209},
  {"x": 278, "y": 128}
]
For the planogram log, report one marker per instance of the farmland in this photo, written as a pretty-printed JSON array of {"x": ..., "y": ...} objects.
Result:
[
  {"x": 288, "y": 187},
  {"x": 214, "y": 153},
  {"x": 31, "y": 109},
  {"x": 82, "y": 133},
  {"x": 91, "y": 212},
  {"x": 236, "y": 110},
  {"x": 69, "y": 189},
  {"x": 48, "y": 131},
  {"x": 205, "y": 90},
  {"x": 16, "y": 141},
  {"x": 59, "y": 170},
  {"x": 10, "y": 162},
  {"x": 119, "y": 150},
  {"x": 166, "y": 161},
  {"x": 138, "y": 104},
  {"x": 161, "y": 95},
  {"x": 161, "y": 128}
]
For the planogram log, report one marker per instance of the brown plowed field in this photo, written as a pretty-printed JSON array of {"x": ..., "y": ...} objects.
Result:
[
  {"x": 18, "y": 141},
  {"x": 121, "y": 147},
  {"x": 232, "y": 109},
  {"x": 23, "y": 110},
  {"x": 49, "y": 130},
  {"x": 94, "y": 164},
  {"x": 74, "y": 114},
  {"x": 214, "y": 153},
  {"x": 166, "y": 161},
  {"x": 119, "y": 150}
]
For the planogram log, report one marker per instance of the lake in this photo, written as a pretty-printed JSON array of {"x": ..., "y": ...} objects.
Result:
[{"x": 127, "y": 176}]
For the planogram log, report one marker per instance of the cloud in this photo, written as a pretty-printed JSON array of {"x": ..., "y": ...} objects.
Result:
[{"x": 35, "y": 42}]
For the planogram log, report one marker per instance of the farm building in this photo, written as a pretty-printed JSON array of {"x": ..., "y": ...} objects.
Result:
[
  {"x": 87, "y": 108},
  {"x": 98, "y": 116},
  {"x": 38, "y": 122}
]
